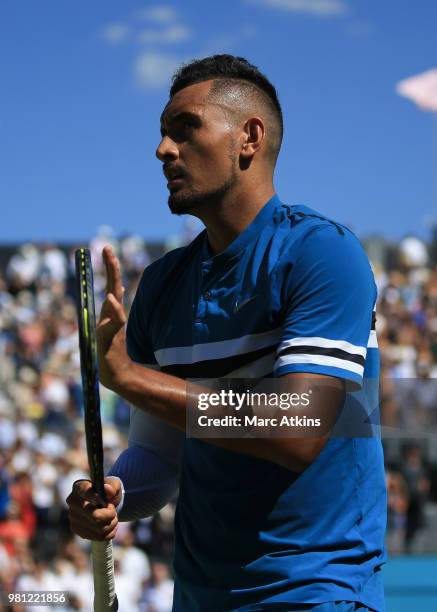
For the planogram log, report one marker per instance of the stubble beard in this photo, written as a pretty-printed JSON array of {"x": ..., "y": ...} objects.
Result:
[{"x": 183, "y": 204}]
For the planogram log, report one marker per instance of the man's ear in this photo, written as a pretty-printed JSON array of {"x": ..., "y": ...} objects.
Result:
[{"x": 254, "y": 133}]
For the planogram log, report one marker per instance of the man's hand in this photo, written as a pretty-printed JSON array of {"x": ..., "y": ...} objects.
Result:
[
  {"x": 86, "y": 519},
  {"x": 111, "y": 327}
]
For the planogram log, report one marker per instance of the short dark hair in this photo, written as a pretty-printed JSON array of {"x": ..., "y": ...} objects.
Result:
[{"x": 231, "y": 68}]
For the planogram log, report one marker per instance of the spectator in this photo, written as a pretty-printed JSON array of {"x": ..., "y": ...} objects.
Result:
[
  {"x": 44, "y": 477},
  {"x": 158, "y": 594},
  {"x": 4, "y": 492},
  {"x": 132, "y": 561},
  {"x": 22, "y": 495},
  {"x": 13, "y": 529},
  {"x": 397, "y": 494},
  {"x": 416, "y": 474}
]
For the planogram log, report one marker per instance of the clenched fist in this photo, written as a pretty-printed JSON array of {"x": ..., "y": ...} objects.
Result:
[{"x": 89, "y": 521}]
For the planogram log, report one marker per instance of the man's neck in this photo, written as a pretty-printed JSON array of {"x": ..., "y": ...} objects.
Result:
[{"x": 236, "y": 211}]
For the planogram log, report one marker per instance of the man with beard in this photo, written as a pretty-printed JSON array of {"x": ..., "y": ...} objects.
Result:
[{"x": 268, "y": 289}]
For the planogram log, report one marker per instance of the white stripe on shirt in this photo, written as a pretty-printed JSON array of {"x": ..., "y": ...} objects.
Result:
[
  {"x": 373, "y": 340},
  {"x": 322, "y": 360},
  {"x": 217, "y": 350},
  {"x": 315, "y": 341}
]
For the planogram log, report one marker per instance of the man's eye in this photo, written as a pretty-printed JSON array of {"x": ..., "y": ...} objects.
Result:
[{"x": 181, "y": 129}]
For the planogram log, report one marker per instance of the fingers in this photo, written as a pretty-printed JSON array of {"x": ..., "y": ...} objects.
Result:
[
  {"x": 113, "y": 490},
  {"x": 94, "y": 523},
  {"x": 112, "y": 314},
  {"x": 80, "y": 488},
  {"x": 114, "y": 283},
  {"x": 108, "y": 255},
  {"x": 117, "y": 308},
  {"x": 88, "y": 520}
]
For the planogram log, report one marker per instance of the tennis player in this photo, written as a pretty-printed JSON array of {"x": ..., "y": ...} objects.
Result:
[{"x": 267, "y": 289}]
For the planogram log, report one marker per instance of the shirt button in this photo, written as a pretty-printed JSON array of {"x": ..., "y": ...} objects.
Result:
[{"x": 207, "y": 295}]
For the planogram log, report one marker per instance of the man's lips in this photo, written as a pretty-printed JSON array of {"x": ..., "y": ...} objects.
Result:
[
  {"x": 174, "y": 177},
  {"x": 173, "y": 182},
  {"x": 173, "y": 174}
]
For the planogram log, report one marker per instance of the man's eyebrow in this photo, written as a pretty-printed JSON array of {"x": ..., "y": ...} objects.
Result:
[{"x": 195, "y": 117}]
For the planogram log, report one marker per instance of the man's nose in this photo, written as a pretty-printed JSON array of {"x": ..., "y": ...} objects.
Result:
[{"x": 167, "y": 149}]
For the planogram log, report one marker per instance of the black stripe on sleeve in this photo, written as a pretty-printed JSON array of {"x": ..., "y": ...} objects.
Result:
[
  {"x": 319, "y": 350},
  {"x": 216, "y": 368}
]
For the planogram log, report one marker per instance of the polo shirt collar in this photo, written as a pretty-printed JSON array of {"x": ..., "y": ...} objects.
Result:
[{"x": 262, "y": 219}]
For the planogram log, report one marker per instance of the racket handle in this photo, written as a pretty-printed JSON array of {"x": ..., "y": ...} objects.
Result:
[{"x": 105, "y": 599}]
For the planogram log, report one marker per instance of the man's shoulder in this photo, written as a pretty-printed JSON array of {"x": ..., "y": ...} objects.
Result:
[
  {"x": 305, "y": 220},
  {"x": 316, "y": 246},
  {"x": 305, "y": 228}
]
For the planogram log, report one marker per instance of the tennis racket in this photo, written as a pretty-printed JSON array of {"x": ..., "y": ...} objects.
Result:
[{"x": 105, "y": 598}]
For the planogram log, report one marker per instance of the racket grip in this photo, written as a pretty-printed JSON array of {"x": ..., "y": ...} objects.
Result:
[{"x": 105, "y": 599}]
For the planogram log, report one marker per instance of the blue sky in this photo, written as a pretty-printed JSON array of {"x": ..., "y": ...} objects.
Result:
[{"x": 83, "y": 85}]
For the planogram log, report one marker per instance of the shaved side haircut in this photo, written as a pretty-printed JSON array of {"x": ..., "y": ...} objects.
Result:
[{"x": 241, "y": 86}]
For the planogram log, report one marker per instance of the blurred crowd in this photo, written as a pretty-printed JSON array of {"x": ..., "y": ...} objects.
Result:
[
  {"x": 42, "y": 444},
  {"x": 42, "y": 448},
  {"x": 406, "y": 326}
]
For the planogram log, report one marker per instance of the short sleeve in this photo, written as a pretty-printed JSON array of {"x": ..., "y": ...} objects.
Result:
[{"x": 329, "y": 300}]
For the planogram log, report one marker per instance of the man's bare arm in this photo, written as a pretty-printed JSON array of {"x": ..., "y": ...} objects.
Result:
[{"x": 166, "y": 397}]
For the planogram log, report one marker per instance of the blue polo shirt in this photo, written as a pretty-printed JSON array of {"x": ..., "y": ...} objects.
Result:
[{"x": 294, "y": 292}]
